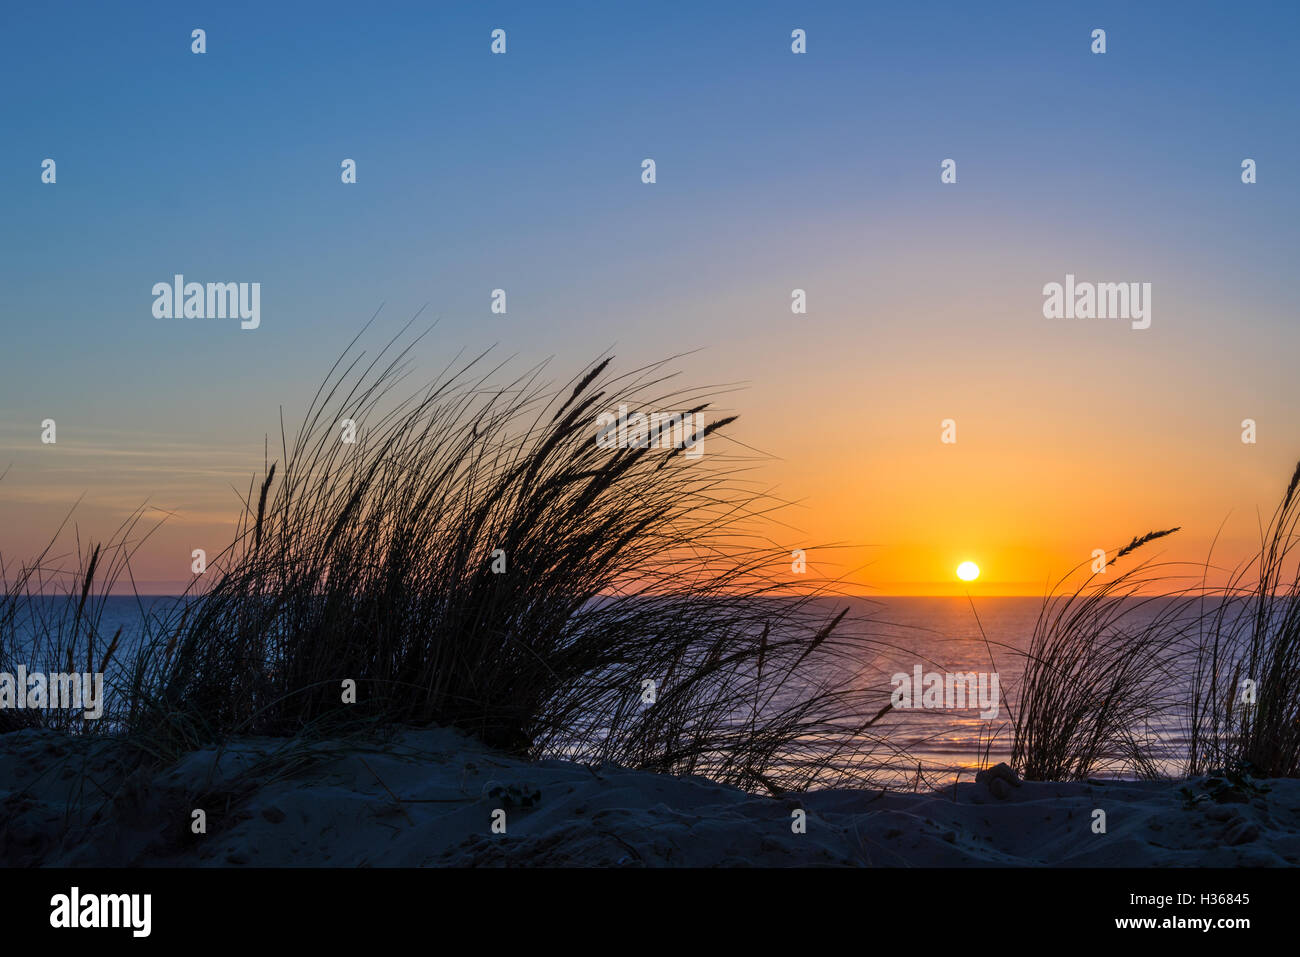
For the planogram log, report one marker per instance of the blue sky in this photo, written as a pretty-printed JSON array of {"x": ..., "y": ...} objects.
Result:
[{"x": 775, "y": 171}]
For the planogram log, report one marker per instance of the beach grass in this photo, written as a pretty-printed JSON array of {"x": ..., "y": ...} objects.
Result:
[{"x": 466, "y": 554}]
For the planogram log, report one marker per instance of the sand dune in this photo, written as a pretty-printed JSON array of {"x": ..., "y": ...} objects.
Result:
[{"x": 427, "y": 797}]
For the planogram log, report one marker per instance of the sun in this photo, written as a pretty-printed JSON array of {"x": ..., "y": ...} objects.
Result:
[{"x": 968, "y": 571}]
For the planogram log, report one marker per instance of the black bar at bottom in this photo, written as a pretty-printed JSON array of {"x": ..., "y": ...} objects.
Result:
[{"x": 304, "y": 907}]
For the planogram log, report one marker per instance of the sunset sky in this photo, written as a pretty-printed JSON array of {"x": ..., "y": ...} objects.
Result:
[{"x": 775, "y": 171}]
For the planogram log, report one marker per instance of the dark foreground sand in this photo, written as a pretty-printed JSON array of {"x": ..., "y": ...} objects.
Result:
[{"x": 426, "y": 798}]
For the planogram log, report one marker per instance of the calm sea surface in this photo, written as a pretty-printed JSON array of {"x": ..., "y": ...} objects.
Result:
[{"x": 939, "y": 634}]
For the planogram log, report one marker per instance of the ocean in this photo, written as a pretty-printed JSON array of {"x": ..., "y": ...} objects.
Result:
[{"x": 936, "y": 635}]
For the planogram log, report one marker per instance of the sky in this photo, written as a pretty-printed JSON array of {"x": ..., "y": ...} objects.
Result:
[{"x": 775, "y": 171}]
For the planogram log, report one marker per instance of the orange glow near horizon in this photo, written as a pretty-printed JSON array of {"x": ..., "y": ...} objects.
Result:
[
  {"x": 904, "y": 533},
  {"x": 880, "y": 504}
]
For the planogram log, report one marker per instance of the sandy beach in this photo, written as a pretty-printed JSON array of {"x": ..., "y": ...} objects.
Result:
[{"x": 426, "y": 798}]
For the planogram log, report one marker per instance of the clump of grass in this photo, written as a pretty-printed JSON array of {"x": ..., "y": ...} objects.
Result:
[
  {"x": 1103, "y": 673},
  {"x": 474, "y": 559},
  {"x": 52, "y": 621},
  {"x": 1101, "y": 668},
  {"x": 1245, "y": 693}
]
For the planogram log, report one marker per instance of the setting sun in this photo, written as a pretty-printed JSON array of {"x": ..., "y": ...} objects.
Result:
[{"x": 968, "y": 571}]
